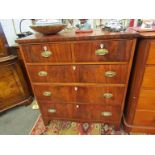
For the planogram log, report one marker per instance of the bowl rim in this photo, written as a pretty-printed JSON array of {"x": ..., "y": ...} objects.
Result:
[{"x": 48, "y": 25}]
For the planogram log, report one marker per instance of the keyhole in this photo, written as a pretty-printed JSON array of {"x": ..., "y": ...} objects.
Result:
[
  {"x": 75, "y": 88},
  {"x": 45, "y": 48},
  {"x": 74, "y": 68},
  {"x": 101, "y": 45},
  {"x": 77, "y": 106}
]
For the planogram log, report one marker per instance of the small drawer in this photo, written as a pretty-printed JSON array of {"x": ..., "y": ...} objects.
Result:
[
  {"x": 146, "y": 99},
  {"x": 151, "y": 56},
  {"x": 55, "y": 52},
  {"x": 81, "y": 94},
  {"x": 149, "y": 77},
  {"x": 103, "y": 51},
  {"x": 145, "y": 118},
  {"x": 112, "y": 74}
]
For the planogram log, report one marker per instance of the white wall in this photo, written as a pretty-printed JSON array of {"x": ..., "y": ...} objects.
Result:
[{"x": 11, "y": 29}]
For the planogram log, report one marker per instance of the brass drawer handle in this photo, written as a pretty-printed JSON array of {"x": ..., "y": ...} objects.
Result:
[
  {"x": 52, "y": 110},
  {"x": 42, "y": 73},
  {"x": 47, "y": 93},
  {"x": 46, "y": 54},
  {"x": 107, "y": 95},
  {"x": 106, "y": 113},
  {"x": 101, "y": 52},
  {"x": 110, "y": 74}
]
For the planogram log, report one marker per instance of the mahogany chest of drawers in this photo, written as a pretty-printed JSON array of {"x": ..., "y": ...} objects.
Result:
[
  {"x": 80, "y": 77},
  {"x": 139, "y": 113}
]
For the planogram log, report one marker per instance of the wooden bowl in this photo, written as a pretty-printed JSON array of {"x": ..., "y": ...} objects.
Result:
[{"x": 48, "y": 29}]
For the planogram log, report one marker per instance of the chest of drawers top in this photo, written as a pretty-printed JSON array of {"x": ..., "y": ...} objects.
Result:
[{"x": 72, "y": 36}]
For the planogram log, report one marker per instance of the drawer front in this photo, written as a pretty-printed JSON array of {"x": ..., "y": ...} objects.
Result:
[
  {"x": 99, "y": 112},
  {"x": 146, "y": 99},
  {"x": 100, "y": 95},
  {"x": 114, "y": 74},
  {"x": 56, "y": 52},
  {"x": 81, "y": 112},
  {"x": 149, "y": 77},
  {"x": 58, "y": 110},
  {"x": 81, "y": 94},
  {"x": 151, "y": 56},
  {"x": 52, "y": 74},
  {"x": 55, "y": 94},
  {"x": 102, "y": 51},
  {"x": 145, "y": 118}
]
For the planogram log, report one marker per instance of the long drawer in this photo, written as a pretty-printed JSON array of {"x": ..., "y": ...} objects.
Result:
[
  {"x": 146, "y": 99},
  {"x": 145, "y": 118},
  {"x": 114, "y": 74},
  {"x": 80, "y": 94},
  {"x": 81, "y": 112},
  {"x": 149, "y": 77},
  {"x": 82, "y": 51},
  {"x": 151, "y": 55}
]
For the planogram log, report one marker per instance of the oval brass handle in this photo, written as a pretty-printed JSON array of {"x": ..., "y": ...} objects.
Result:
[
  {"x": 46, "y": 54},
  {"x": 106, "y": 113},
  {"x": 47, "y": 93},
  {"x": 42, "y": 73},
  {"x": 101, "y": 51},
  {"x": 110, "y": 74},
  {"x": 52, "y": 110},
  {"x": 107, "y": 95}
]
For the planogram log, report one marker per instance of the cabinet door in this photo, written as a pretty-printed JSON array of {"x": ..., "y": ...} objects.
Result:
[
  {"x": 55, "y": 52},
  {"x": 103, "y": 51},
  {"x": 13, "y": 88}
]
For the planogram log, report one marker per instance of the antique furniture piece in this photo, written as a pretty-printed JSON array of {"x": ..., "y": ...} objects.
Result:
[
  {"x": 80, "y": 77},
  {"x": 13, "y": 86},
  {"x": 139, "y": 115}
]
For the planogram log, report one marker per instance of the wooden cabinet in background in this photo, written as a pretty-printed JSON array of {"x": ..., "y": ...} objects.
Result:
[
  {"x": 3, "y": 43},
  {"x": 139, "y": 115},
  {"x": 14, "y": 87}
]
